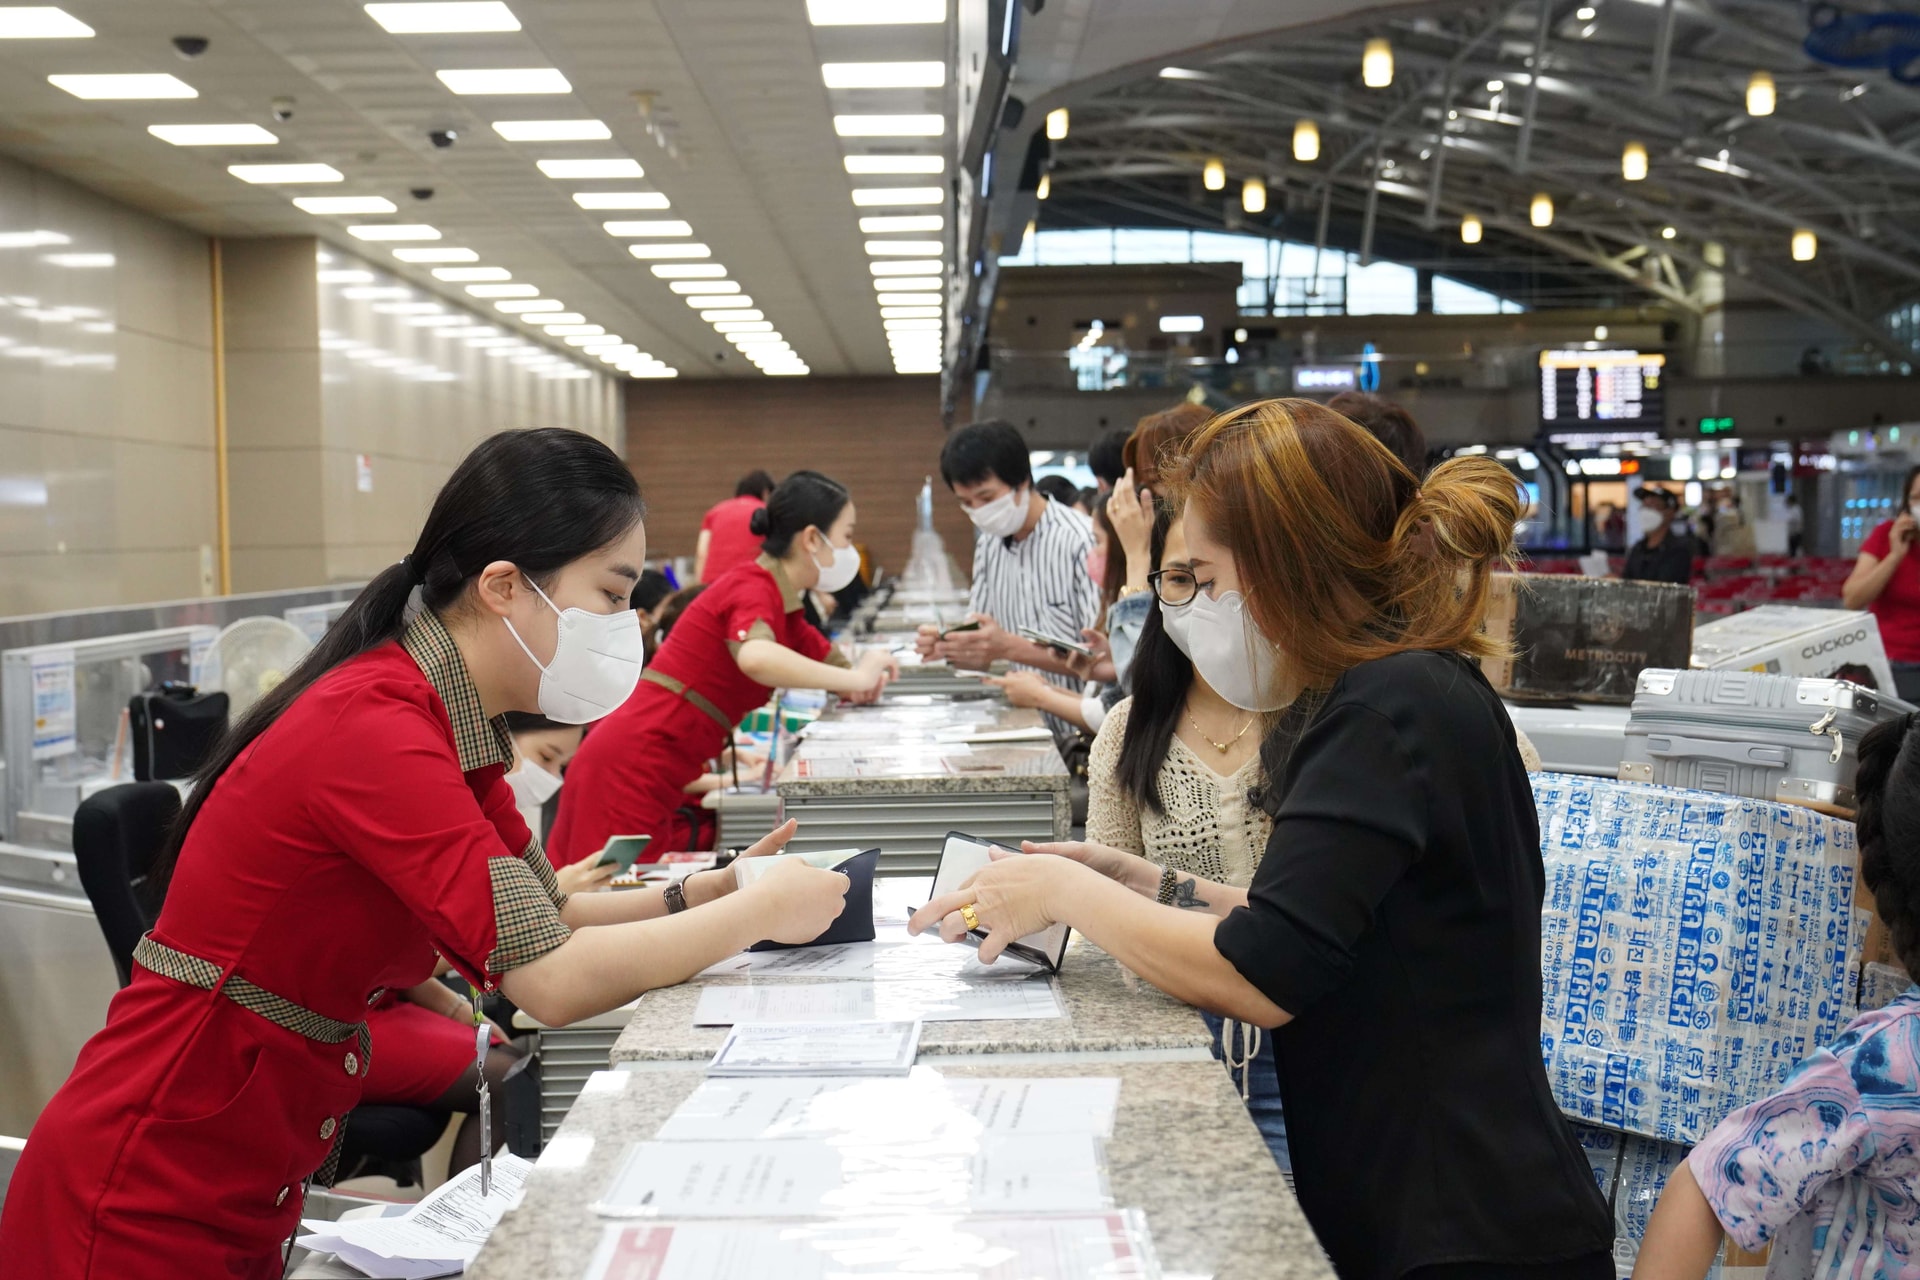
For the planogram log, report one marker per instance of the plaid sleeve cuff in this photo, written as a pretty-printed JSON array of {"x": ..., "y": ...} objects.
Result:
[
  {"x": 526, "y": 923},
  {"x": 761, "y": 629},
  {"x": 836, "y": 657},
  {"x": 536, "y": 857}
]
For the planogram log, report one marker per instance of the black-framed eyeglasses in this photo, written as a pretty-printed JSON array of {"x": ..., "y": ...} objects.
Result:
[{"x": 1173, "y": 587}]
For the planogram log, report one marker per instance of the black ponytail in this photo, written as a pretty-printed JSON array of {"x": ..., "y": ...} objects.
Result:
[
  {"x": 1160, "y": 678},
  {"x": 805, "y": 499},
  {"x": 1888, "y": 826},
  {"x": 540, "y": 499}
]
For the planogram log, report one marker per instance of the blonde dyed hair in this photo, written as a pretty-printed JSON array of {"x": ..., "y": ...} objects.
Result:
[{"x": 1344, "y": 555}]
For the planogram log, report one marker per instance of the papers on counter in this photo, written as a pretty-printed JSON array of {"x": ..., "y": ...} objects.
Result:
[
  {"x": 808, "y": 1177},
  {"x": 1101, "y": 1246},
  {"x": 437, "y": 1237},
  {"x": 899, "y": 958},
  {"x": 923, "y": 1107},
  {"x": 928, "y": 1001},
  {"x": 818, "y": 1049}
]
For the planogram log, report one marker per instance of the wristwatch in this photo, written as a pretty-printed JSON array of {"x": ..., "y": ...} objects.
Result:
[
  {"x": 675, "y": 896},
  {"x": 1168, "y": 883}
]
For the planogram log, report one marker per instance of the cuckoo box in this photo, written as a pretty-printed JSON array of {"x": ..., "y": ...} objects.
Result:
[
  {"x": 1694, "y": 948},
  {"x": 1584, "y": 639},
  {"x": 1785, "y": 639}
]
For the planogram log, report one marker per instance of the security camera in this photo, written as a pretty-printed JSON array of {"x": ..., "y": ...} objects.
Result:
[
  {"x": 190, "y": 47},
  {"x": 282, "y": 109},
  {"x": 442, "y": 138},
  {"x": 422, "y": 193}
]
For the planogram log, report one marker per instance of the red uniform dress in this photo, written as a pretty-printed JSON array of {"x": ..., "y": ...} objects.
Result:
[
  {"x": 423, "y": 1053},
  {"x": 1898, "y": 608},
  {"x": 730, "y": 538},
  {"x": 632, "y": 771},
  {"x": 368, "y": 827}
]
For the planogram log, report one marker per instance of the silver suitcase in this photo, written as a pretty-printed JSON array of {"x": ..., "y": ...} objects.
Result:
[{"x": 1792, "y": 739}]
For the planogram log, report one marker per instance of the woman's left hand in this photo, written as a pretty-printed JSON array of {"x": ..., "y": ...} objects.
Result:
[
  {"x": 1011, "y": 897},
  {"x": 1023, "y": 688},
  {"x": 718, "y": 882}
]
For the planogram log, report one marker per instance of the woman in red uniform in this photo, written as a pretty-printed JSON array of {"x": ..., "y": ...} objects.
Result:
[
  {"x": 743, "y": 638},
  {"x": 355, "y": 822}
]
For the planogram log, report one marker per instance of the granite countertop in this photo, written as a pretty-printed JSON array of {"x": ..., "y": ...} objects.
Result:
[
  {"x": 1108, "y": 1010},
  {"x": 1183, "y": 1149}
]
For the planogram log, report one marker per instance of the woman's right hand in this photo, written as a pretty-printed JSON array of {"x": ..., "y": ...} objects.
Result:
[
  {"x": 1130, "y": 512},
  {"x": 797, "y": 901},
  {"x": 584, "y": 877},
  {"x": 1129, "y": 869},
  {"x": 1902, "y": 534},
  {"x": 872, "y": 673}
]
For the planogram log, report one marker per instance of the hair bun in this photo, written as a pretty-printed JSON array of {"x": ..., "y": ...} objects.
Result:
[{"x": 758, "y": 524}]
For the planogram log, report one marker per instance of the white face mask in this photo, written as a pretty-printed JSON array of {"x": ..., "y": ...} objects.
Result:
[
  {"x": 1240, "y": 665},
  {"x": 596, "y": 662},
  {"x": 1174, "y": 620},
  {"x": 1003, "y": 517},
  {"x": 532, "y": 786},
  {"x": 1646, "y": 520},
  {"x": 844, "y": 569}
]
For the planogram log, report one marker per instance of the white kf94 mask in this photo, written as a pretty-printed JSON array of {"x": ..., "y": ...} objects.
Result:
[{"x": 596, "y": 662}]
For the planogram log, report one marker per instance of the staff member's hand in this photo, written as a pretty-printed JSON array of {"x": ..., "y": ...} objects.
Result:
[
  {"x": 975, "y": 650},
  {"x": 877, "y": 669},
  {"x": 584, "y": 877},
  {"x": 1902, "y": 534},
  {"x": 926, "y": 639},
  {"x": 718, "y": 882},
  {"x": 1129, "y": 869},
  {"x": 1011, "y": 897},
  {"x": 1023, "y": 688},
  {"x": 799, "y": 902}
]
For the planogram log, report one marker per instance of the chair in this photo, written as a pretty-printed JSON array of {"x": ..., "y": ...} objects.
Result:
[{"x": 118, "y": 834}]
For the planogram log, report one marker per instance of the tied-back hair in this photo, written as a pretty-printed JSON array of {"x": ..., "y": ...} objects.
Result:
[
  {"x": 1888, "y": 825},
  {"x": 539, "y": 499},
  {"x": 805, "y": 499},
  {"x": 1161, "y": 677},
  {"x": 1159, "y": 441},
  {"x": 1344, "y": 556}
]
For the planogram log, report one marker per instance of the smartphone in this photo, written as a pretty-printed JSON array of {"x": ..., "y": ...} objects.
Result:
[
  {"x": 622, "y": 851},
  {"x": 965, "y": 626},
  {"x": 1055, "y": 643}
]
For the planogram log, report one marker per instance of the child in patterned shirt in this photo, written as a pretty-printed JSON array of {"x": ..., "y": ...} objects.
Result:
[{"x": 1826, "y": 1171}]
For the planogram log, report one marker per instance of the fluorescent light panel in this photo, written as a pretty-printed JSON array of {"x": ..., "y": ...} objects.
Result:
[
  {"x": 211, "y": 135},
  {"x": 41, "y": 22},
  {"x": 587, "y": 170},
  {"x": 505, "y": 80},
  {"x": 695, "y": 250},
  {"x": 285, "y": 174},
  {"x": 896, "y": 164},
  {"x": 908, "y": 267},
  {"x": 743, "y": 326},
  {"x": 620, "y": 200},
  {"x": 395, "y": 231},
  {"x": 909, "y": 299},
  {"x": 689, "y": 271},
  {"x": 869, "y": 197},
  {"x": 565, "y": 330},
  {"x": 706, "y": 286},
  {"x": 652, "y": 227},
  {"x": 443, "y": 18},
  {"x": 719, "y": 300},
  {"x": 860, "y": 13},
  {"x": 99, "y": 88},
  {"x": 733, "y": 313},
  {"x": 462, "y": 275},
  {"x": 436, "y": 255},
  {"x": 905, "y": 248},
  {"x": 913, "y": 326},
  {"x": 514, "y": 308},
  {"x": 503, "y": 290},
  {"x": 908, "y": 282},
  {"x": 552, "y": 130},
  {"x": 562, "y": 317},
  {"x": 323, "y": 205},
  {"x": 889, "y": 126},
  {"x": 881, "y": 224},
  {"x": 909, "y": 313},
  {"x": 883, "y": 75}
]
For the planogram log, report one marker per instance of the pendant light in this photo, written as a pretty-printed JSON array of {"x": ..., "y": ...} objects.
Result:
[
  {"x": 1760, "y": 94},
  {"x": 1470, "y": 230},
  {"x": 1253, "y": 195},
  {"x": 1540, "y": 212},
  {"x": 1045, "y": 188},
  {"x": 1214, "y": 175},
  {"x": 1376, "y": 64},
  {"x": 1306, "y": 142},
  {"x": 1057, "y": 124},
  {"x": 1633, "y": 161},
  {"x": 1805, "y": 245}
]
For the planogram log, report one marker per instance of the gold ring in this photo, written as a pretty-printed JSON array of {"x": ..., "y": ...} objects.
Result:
[{"x": 972, "y": 920}]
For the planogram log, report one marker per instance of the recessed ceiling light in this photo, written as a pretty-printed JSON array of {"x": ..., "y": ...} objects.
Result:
[
  {"x": 896, "y": 164},
  {"x": 890, "y": 126},
  {"x": 562, "y": 317},
  {"x": 912, "y": 326},
  {"x": 344, "y": 277},
  {"x": 503, "y": 290},
  {"x": 528, "y": 305},
  {"x": 883, "y": 75},
  {"x": 592, "y": 169},
  {"x": 655, "y": 371},
  {"x": 395, "y": 231},
  {"x": 562, "y": 330},
  {"x": 742, "y": 326},
  {"x": 373, "y": 292},
  {"x": 737, "y": 313},
  {"x": 78, "y": 259},
  {"x": 909, "y": 299},
  {"x": 695, "y": 250},
  {"x": 436, "y": 255},
  {"x": 125, "y": 86},
  {"x": 462, "y": 274},
  {"x": 905, "y": 248},
  {"x": 409, "y": 308},
  {"x": 552, "y": 130},
  {"x": 702, "y": 302},
  {"x": 705, "y": 286},
  {"x": 285, "y": 174},
  {"x": 595, "y": 340},
  {"x": 447, "y": 18},
  {"x": 870, "y": 196},
  {"x": 909, "y": 313},
  {"x": 41, "y": 22},
  {"x": 505, "y": 80},
  {"x": 345, "y": 204},
  {"x": 620, "y": 200},
  {"x": 850, "y": 13},
  {"x": 211, "y": 135},
  {"x": 909, "y": 267},
  {"x": 908, "y": 282},
  {"x": 690, "y": 271},
  {"x": 655, "y": 227},
  {"x": 880, "y": 224},
  {"x": 1181, "y": 73}
]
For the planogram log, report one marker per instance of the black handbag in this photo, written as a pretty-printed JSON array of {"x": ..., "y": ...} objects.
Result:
[
  {"x": 855, "y": 921},
  {"x": 174, "y": 729}
]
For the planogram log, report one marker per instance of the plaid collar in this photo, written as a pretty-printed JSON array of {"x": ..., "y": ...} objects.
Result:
[
  {"x": 480, "y": 741},
  {"x": 789, "y": 594}
]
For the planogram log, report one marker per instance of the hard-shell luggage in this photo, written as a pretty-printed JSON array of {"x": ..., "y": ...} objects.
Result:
[{"x": 1791, "y": 739}]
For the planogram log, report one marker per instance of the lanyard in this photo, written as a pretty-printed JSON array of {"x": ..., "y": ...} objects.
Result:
[{"x": 481, "y": 1040}]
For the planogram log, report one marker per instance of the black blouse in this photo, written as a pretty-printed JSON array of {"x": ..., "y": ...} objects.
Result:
[{"x": 1396, "y": 916}]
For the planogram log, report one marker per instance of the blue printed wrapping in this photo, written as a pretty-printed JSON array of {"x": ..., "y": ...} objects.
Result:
[
  {"x": 1694, "y": 948},
  {"x": 1880, "y": 984},
  {"x": 1602, "y": 1150}
]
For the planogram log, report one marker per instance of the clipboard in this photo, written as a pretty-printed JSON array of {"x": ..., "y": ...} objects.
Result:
[{"x": 960, "y": 856}]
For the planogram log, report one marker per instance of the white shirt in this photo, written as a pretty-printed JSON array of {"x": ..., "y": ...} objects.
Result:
[{"x": 1040, "y": 581}]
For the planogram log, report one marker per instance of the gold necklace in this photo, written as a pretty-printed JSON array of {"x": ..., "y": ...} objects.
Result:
[{"x": 1221, "y": 747}]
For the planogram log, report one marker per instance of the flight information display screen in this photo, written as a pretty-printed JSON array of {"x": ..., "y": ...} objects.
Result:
[{"x": 1582, "y": 392}]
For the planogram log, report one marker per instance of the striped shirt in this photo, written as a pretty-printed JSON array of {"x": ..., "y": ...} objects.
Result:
[{"x": 1040, "y": 582}]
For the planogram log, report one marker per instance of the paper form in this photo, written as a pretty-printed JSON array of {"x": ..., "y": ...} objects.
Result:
[
  {"x": 438, "y": 1236},
  {"x": 938, "y": 1001},
  {"x": 818, "y": 1048},
  {"x": 897, "y": 958}
]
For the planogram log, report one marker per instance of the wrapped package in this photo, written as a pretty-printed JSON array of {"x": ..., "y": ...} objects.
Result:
[
  {"x": 1694, "y": 948},
  {"x": 1881, "y": 985},
  {"x": 1584, "y": 639}
]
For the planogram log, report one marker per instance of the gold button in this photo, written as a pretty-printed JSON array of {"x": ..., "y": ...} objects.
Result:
[
  {"x": 326, "y": 1128},
  {"x": 281, "y": 1198},
  {"x": 353, "y": 1063}
]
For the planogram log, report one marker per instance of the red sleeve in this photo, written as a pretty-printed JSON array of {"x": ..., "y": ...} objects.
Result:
[
  {"x": 708, "y": 521},
  {"x": 751, "y": 597},
  {"x": 805, "y": 639},
  {"x": 1879, "y": 542}
]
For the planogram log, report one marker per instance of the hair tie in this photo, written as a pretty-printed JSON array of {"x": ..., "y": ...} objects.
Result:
[{"x": 415, "y": 574}]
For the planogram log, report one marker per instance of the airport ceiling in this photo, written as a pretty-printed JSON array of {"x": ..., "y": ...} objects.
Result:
[{"x": 1463, "y": 129}]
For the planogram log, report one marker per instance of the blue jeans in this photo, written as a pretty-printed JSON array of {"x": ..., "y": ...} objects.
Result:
[{"x": 1262, "y": 1089}]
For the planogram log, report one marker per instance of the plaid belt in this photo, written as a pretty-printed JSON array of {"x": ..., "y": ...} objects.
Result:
[
  {"x": 692, "y": 696},
  {"x": 207, "y": 976}
]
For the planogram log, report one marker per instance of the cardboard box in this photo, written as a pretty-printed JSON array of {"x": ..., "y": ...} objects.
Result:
[
  {"x": 1694, "y": 948},
  {"x": 1584, "y": 639},
  {"x": 1829, "y": 644}
]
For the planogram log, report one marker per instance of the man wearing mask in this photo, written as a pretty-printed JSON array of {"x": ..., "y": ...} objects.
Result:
[
  {"x": 1661, "y": 554},
  {"x": 1029, "y": 560}
]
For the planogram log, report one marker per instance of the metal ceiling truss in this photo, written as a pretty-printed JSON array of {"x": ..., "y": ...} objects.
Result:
[{"x": 1441, "y": 143}]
